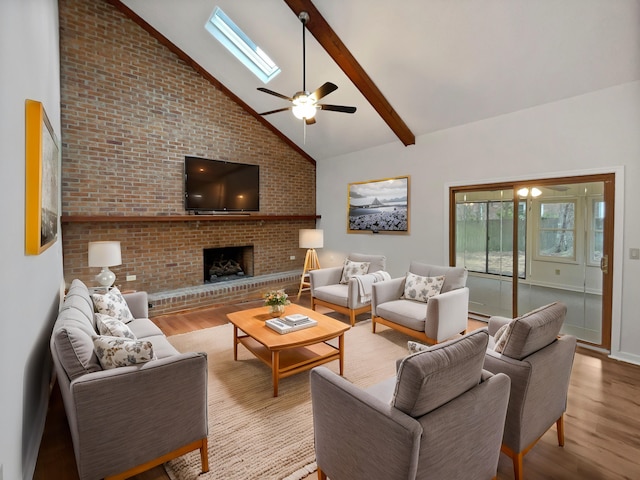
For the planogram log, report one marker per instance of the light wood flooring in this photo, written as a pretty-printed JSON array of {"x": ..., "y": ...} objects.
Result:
[{"x": 602, "y": 423}]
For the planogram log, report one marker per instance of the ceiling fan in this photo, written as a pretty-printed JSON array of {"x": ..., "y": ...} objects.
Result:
[{"x": 305, "y": 104}]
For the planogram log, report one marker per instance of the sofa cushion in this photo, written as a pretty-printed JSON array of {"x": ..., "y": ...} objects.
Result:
[
  {"x": 113, "y": 352},
  {"x": 534, "y": 330},
  {"x": 454, "y": 277},
  {"x": 113, "y": 327},
  {"x": 408, "y": 313},
  {"x": 352, "y": 268},
  {"x": 74, "y": 348},
  {"x": 113, "y": 304},
  {"x": 419, "y": 288},
  {"x": 143, "y": 327},
  {"x": 430, "y": 378},
  {"x": 79, "y": 302},
  {"x": 161, "y": 346},
  {"x": 337, "y": 294}
]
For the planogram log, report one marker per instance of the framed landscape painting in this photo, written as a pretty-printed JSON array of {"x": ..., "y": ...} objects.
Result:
[
  {"x": 42, "y": 185},
  {"x": 379, "y": 206}
]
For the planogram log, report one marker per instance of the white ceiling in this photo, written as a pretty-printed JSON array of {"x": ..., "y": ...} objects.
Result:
[{"x": 439, "y": 63}]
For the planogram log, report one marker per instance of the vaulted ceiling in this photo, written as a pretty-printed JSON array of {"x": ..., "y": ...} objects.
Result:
[{"x": 411, "y": 67}]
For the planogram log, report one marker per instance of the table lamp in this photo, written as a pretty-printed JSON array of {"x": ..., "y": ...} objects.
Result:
[
  {"x": 309, "y": 238},
  {"x": 105, "y": 255}
]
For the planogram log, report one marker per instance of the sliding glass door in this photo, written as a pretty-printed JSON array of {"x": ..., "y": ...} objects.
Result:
[{"x": 528, "y": 244}]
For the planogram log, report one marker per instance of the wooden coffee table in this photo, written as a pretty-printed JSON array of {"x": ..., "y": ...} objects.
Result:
[{"x": 293, "y": 352}]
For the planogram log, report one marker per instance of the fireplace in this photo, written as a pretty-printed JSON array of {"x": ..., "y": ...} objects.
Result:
[{"x": 227, "y": 263}]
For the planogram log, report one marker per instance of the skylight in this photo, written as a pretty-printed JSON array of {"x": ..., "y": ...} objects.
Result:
[{"x": 241, "y": 46}]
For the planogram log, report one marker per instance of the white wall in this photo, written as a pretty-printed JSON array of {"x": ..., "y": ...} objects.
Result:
[
  {"x": 591, "y": 133},
  {"x": 30, "y": 285}
]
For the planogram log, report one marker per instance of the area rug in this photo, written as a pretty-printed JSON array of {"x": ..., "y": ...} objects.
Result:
[{"x": 253, "y": 435}]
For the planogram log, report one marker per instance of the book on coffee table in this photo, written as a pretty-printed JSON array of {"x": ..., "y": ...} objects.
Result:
[
  {"x": 295, "y": 319},
  {"x": 281, "y": 326}
]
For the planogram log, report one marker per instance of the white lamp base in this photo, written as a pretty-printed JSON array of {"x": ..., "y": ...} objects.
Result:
[{"x": 106, "y": 277}]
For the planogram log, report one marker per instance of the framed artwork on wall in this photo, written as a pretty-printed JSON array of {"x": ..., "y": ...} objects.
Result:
[
  {"x": 379, "y": 206},
  {"x": 42, "y": 185}
]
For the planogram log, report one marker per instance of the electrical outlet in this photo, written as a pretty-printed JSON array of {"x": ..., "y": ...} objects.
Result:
[
  {"x": 292, "y": 257},
  {"x": 634, "y": 253},
  {"x": 131, "y": 278}
]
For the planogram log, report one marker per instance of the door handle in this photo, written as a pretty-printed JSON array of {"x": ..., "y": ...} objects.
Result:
[{"x": 604, "y": 264}]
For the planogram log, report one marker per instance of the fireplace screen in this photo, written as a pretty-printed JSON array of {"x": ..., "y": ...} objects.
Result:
[{"x": 227, "y": 263}]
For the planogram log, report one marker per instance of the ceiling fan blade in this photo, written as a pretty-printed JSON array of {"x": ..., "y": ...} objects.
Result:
[
  {"x": 276, "y": 94},
  {"x": 337, "y": 108},
  {"x": 310, "y": 121},
  {"x": 276, "y": 111},
  {"x": 324, "y": 90}
]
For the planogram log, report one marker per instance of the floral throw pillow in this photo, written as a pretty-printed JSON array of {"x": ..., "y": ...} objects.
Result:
[
  {"x": 353, "y": 268},
  {"x": 501, "y": 336},
  {"x": 421, "y": 288},
  {"x": 113, "y": 352},
  {"x": 113, "y": 327},
  {"x": 415, "y": 347},
  {"x": 113, "y": 304}
]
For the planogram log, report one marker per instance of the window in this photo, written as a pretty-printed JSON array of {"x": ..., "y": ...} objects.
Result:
[
  {"x": 484, "y": 236},
  {"x": 240, "y": 45},
  {"x": 556, "y": 230},
  {"x": 596, "y": 231}
]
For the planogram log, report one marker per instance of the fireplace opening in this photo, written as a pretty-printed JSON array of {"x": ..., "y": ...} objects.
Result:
[{"x": 227, "y": 263}]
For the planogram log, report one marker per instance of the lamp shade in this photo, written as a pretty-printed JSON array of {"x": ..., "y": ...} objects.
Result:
[
  {"x": 104, "y": 254},
  {"x": 311, "y": 238}
]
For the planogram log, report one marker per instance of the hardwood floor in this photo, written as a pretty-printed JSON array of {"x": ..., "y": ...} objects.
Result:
[{"x": 602, "y": 423}]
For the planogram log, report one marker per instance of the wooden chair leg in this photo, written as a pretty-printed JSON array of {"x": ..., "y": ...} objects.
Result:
[
  {"x": 352, "y": 317},
  {"x": 321, "y": 474},
  {"x": 204, "y": 456},
  {"x": 517, "y": 465},
  {"x": 560, "y": 429},
  {"x": 373, "y": 324}
]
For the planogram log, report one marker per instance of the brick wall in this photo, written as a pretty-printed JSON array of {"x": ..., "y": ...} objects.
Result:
[{"x": 131, "y": 110}]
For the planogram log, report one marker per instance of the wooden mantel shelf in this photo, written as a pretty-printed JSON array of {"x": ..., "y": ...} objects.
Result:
[{"x": 181, "y": 218}]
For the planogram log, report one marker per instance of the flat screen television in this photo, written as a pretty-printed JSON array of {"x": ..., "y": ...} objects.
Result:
[{"x": 219, "y": 186}]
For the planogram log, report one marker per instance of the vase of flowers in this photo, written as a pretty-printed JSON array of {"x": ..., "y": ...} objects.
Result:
[{"x": 276, "y": 300}]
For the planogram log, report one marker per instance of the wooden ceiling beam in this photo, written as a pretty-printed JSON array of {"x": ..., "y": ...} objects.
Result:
[{"x": 337, "y": 50}]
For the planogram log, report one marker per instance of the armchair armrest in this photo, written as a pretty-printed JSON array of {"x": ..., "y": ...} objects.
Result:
[
  {"x": 151, "y": 409},
  {"x": 447, "y": 314},
  {"x": 324, "y": 276},
  {"x": 386, "y": 291},
  {"x": 138, "y": 303},
  {"x": 339, "y": 409}
]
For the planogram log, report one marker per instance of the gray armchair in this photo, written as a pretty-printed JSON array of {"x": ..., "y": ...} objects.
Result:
[
  {"x": 326, "y": 289},
  {"x": 442, "y": 317},
  {"x": 430, "y": 421},
  {"x": 539, "y": 364}
]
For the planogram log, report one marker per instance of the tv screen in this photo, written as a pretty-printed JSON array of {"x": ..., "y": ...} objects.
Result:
[{"x": 219, "y": 186}]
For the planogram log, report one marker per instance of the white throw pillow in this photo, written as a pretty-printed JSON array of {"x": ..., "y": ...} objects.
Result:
[
  {"x": 113, "y": 352},
  {"x": 113, "y": 327},
  {"x": 353, "y": 268},
  {"x": 113, "y": 304},
  {"x": 421, "y": 288}
]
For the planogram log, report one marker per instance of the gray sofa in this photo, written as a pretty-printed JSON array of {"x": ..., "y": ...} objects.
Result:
[{"x": 127, "y": 419}]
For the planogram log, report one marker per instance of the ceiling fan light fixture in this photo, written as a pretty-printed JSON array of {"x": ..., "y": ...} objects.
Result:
[{"x": 304, "y": 106}]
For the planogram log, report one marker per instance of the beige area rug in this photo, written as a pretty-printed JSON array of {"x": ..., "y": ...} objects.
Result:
[{"x": 253, "y": 435}]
